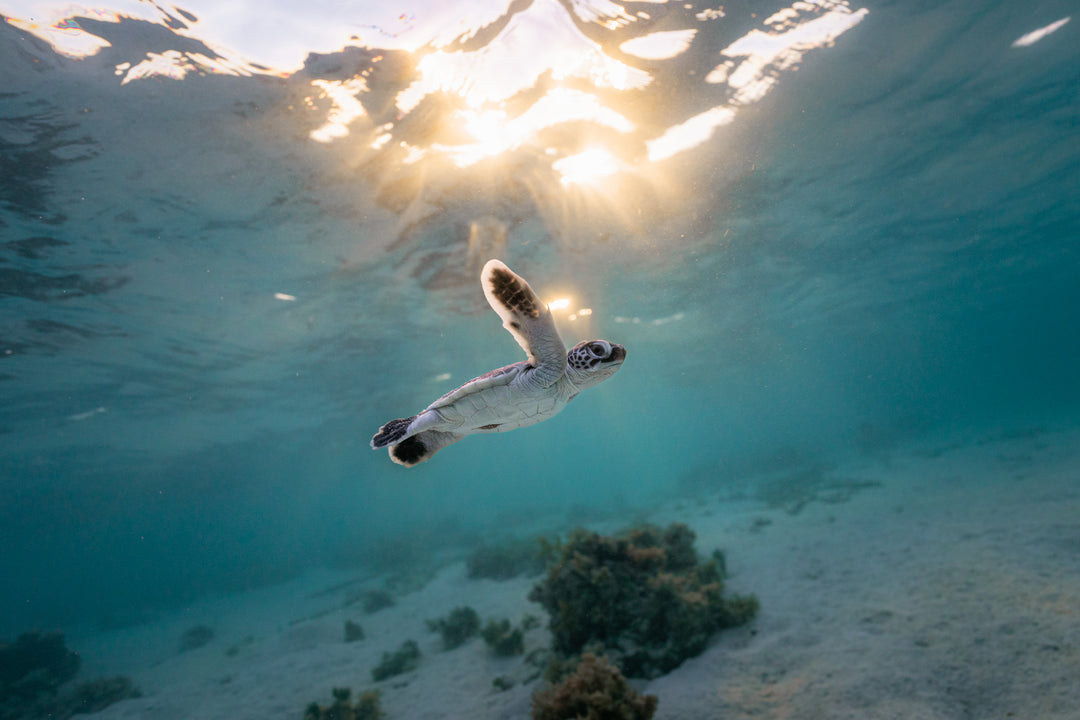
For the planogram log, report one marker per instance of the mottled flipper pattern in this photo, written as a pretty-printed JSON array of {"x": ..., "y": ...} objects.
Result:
[
  {"x": 527, "y": 318},
  {"x": 391, "y": 432}
]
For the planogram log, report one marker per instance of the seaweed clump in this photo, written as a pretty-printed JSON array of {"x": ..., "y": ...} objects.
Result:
[
  {"x": 596, "y": 690},
  {"x": 371, "y": 601},
  {"x": 367, "y": 707},
  {"x": 456, "y": 628},
  {"x": 353, "y": 631},
  {"x": 504, "y": 639},
  {"x": 406, "y": 658},
  {"x": 35, "y": 663},
  {"x": 643, "y": 597},
  {"x": 33, "y": 668},
  {"x": 195, "y": 637}
]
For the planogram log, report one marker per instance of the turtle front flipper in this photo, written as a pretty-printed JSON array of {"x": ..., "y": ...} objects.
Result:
[
  {"x": 528, "y": 319},
  {"x": 420, "y": 447}
]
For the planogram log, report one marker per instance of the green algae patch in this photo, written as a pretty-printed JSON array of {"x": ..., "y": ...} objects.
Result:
[{"x": 643, "y": 599}]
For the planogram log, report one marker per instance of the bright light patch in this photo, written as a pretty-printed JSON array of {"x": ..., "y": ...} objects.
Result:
[
  {"x": 413, "y": 154},
  {"x": 170, "y": 64},
  {"x": 689, "y": 134},
  {"x": 584, "y": 312},
  {"x": 485, "y": 125},
  {"x": 719, "y": 74},
  {"x": 1036, "y": 35},
  {"x": 496, "y": 134},
  {"x": 654, "y": 322},
  {"x": 176, "y": 65},
  {"x": 441, "y": 377},
  {"x": 752, "y": 80},
  {"x": 659, "y": 45},
  {"x": 538, "y": 40},
  {"x": 346, "y": 107},
  {"x": 603, "y": 12},
  {"x": 562, "y": 105},
  {"x": 64, "y": 33},
  {"x": 586, "y": 167},
  {"x": 668, "y": 319},
  {"x": 79, "y": 417},
  {"x": 560, "y": 304},
  {"x": 285, "y": 297},
  {"x": 381, "y": 140}
]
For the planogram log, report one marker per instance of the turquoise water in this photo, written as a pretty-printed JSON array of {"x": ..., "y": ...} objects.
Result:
[{"x": 819, "y": 235}]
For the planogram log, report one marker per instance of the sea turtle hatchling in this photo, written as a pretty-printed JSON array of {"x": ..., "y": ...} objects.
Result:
[{"x": 513, "y": 396}]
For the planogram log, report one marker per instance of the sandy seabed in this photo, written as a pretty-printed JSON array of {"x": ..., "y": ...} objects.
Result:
[{"x": 950, "y": 588}]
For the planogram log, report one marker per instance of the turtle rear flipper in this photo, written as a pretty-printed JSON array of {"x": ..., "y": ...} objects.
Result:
[
  {"x": 391, "y": 432},
  {"x": 420, "y": 447}
]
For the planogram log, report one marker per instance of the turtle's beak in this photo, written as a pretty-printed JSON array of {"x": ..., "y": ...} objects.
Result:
[{"x": 618, "y": 353}]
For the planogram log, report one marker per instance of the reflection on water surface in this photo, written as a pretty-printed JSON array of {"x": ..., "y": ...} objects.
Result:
[{"x": 553, "y": 97}]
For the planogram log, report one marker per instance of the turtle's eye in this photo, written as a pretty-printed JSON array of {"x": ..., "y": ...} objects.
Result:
[{"x": 598, "y": 350}]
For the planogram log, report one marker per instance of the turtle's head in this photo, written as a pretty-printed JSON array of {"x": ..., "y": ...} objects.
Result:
[{"x": 593, "y": 361}]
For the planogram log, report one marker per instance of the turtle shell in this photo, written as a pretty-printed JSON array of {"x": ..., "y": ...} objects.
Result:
[{"x": 489, "y": 404}]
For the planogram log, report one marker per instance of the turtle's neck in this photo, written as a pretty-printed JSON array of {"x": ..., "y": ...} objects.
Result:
[{"x": 574, "y": 387}]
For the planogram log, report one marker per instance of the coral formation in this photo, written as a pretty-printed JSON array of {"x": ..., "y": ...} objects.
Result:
[
  {"x": 353, "y": 631},
  {"x": 33, "y": 668},
  {"x": 643, "y": 597},
  {"x": 196, "y": 637},
  {"x": 456, "y": 628},
  {"x": 371, "y": 600},
  {"x": 405, "y": 659},
  {"x": 367, "y": 707},
  {"x": 377, "y": 600},
  {"x": 503, "y": 638},
  {"x": 35, "y": 663},
  {"x": 596, "y": 690},
  {"x": 507, "y": 560}
]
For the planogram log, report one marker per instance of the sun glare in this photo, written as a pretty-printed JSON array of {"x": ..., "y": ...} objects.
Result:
[
  {"x": 586, "y": 167},
  {"x": 495, "y": 133}
]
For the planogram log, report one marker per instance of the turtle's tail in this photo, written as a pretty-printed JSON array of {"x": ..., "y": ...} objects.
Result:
[{"x": 392, "y": 432}]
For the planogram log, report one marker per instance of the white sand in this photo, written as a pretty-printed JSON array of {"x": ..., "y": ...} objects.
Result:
[{"x": 950, "y": 591}]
